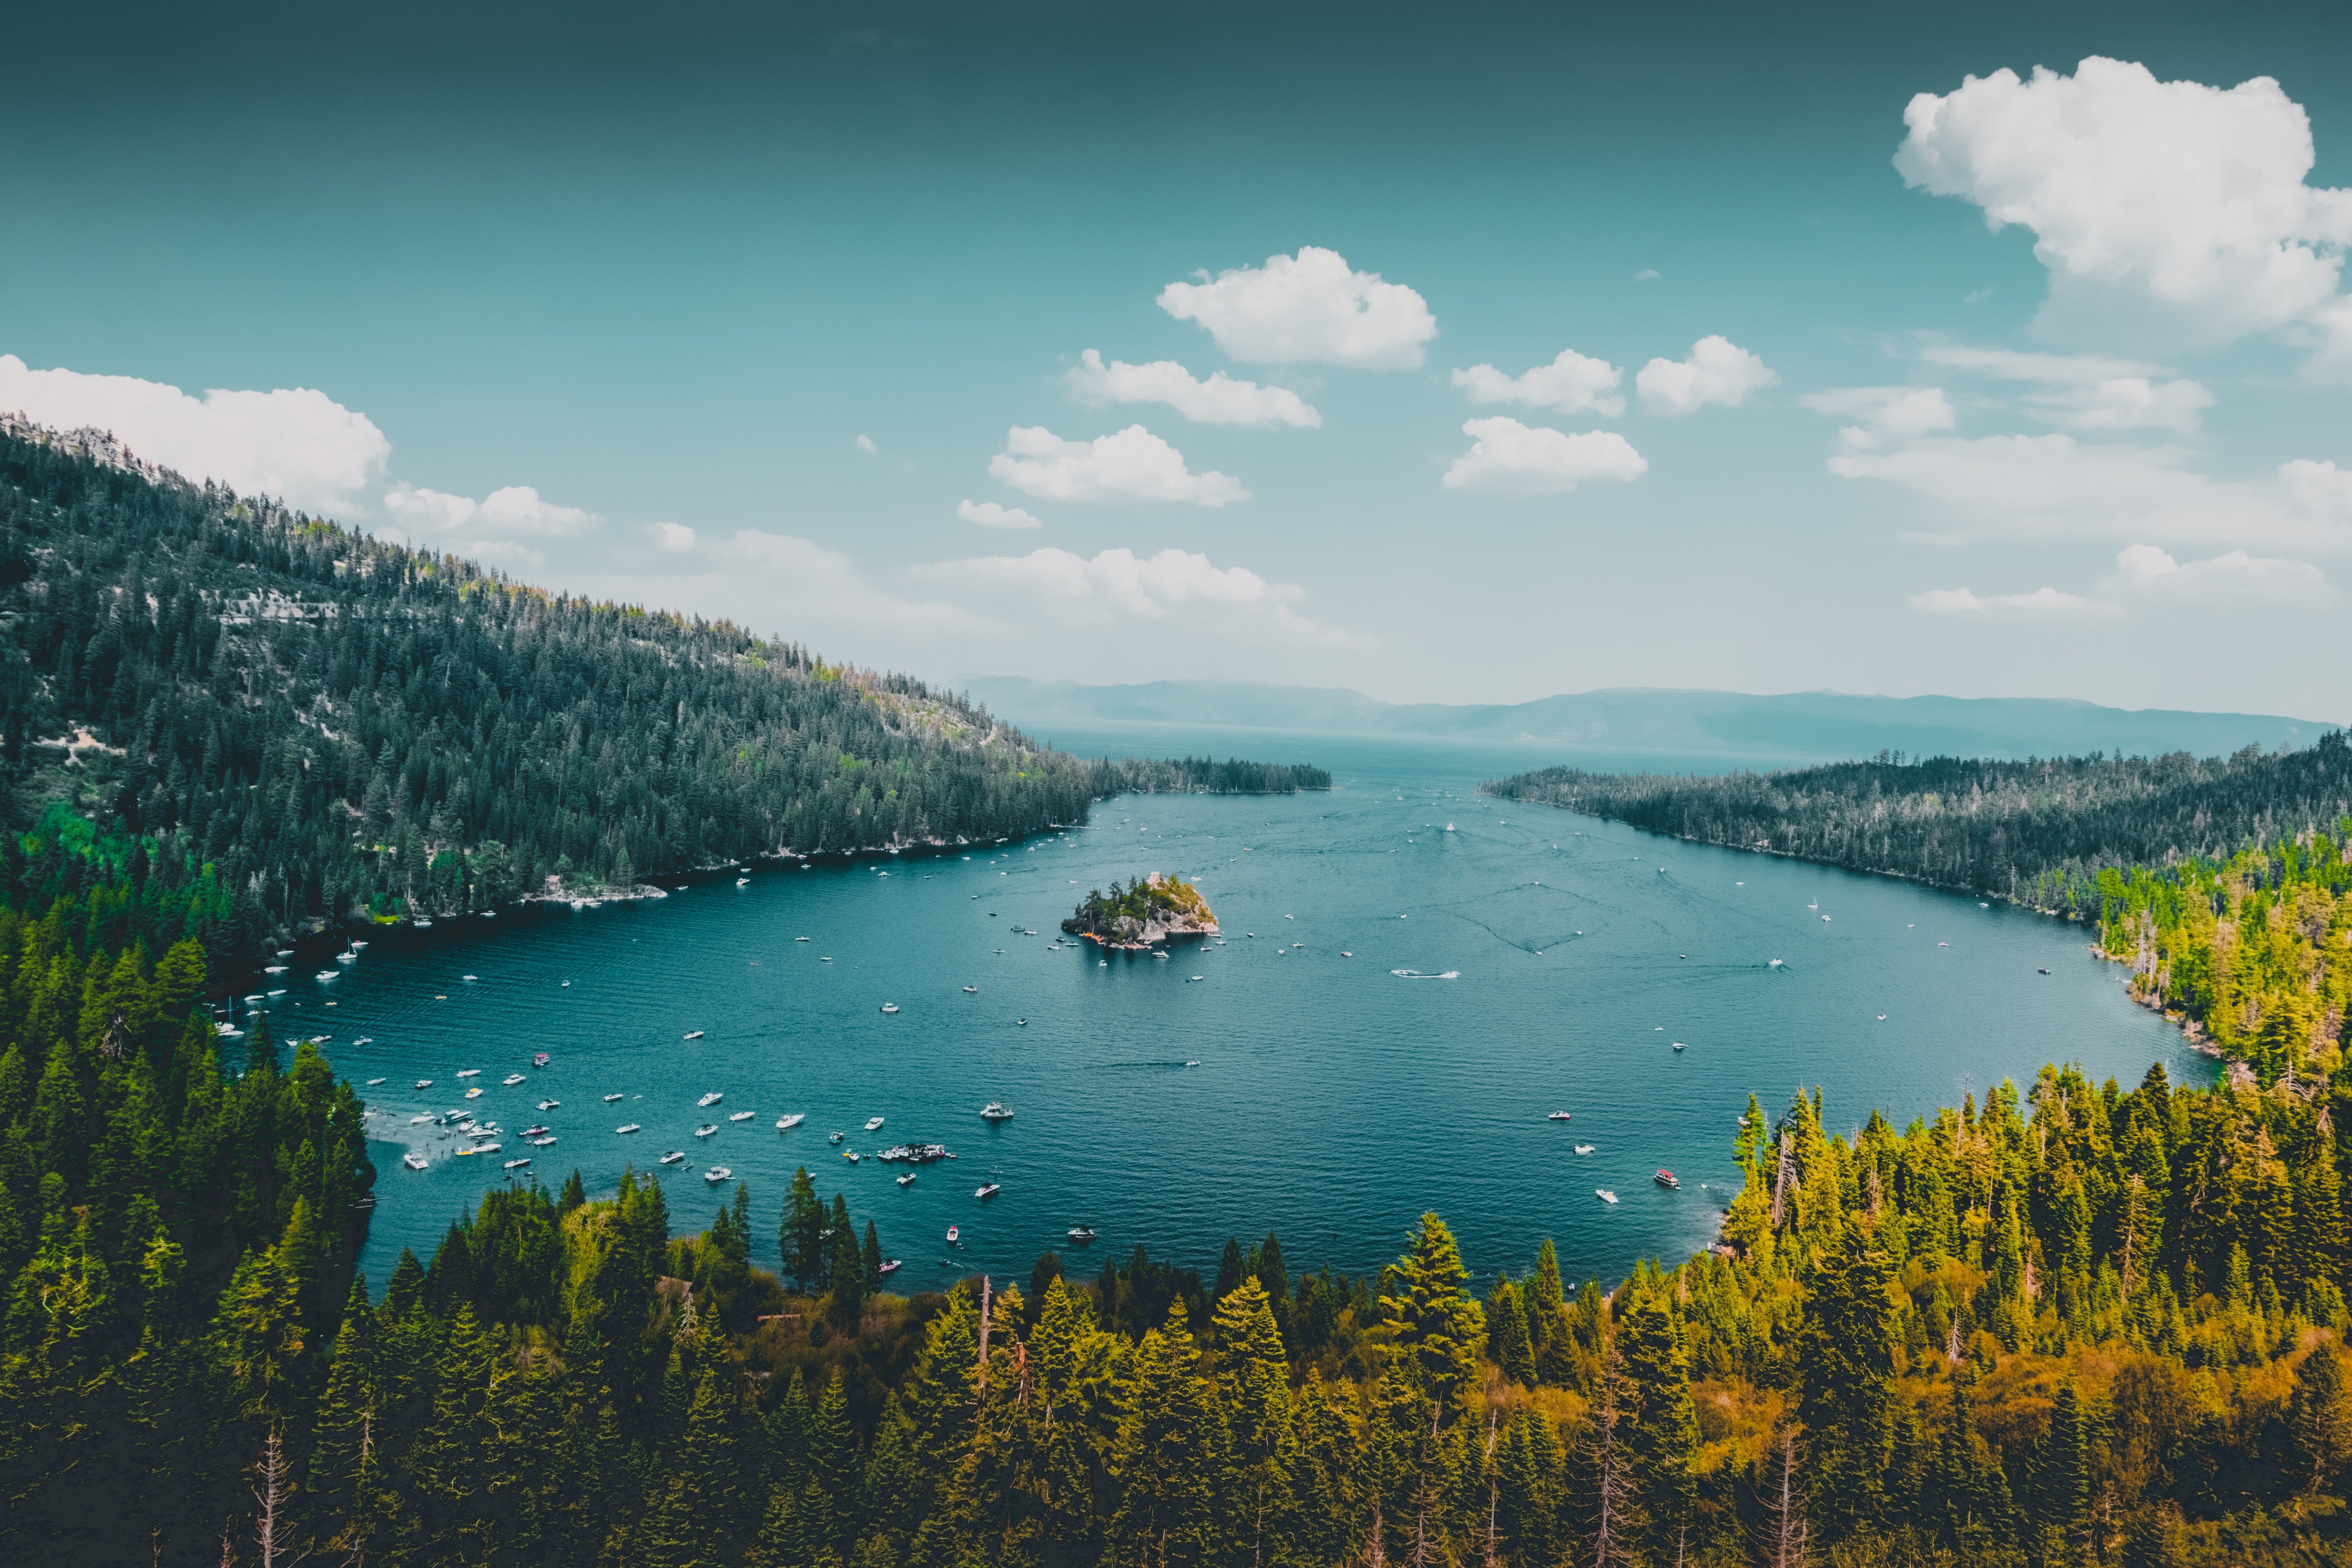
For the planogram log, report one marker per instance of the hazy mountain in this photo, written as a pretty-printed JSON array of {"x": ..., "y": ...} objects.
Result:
[{"x": 1816, "y": 724}]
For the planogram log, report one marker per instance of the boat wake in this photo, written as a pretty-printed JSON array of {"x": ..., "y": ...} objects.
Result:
[{"x": 1417, "y": 974}]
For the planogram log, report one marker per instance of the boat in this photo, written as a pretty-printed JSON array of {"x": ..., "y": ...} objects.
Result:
[
  {"x": 413, "y": 1160},
  {"x": 852, "y": 1155},
  {"x": 799, "y": 939},
  {"x": 486, "y": 1149},
  {"x": 2045, "y": 972},
  {"x": 425, "y": 1083},
  {"x": 374, "y": 1081},
  {"x": 1082, "y": 1234},
  {"x": 968, "y": 991},
  {"x": 889, "y": 1265},
  {"x": 786, "y": 1124},
  {"x": 706, "y": 1129},
  {"x": 542, "y": 1142},
  {"x": 906, "y": 1178},
  {"x": 469, "y": 1072},
  {"x": 420, "y": 1120},
  {"x": 1775, "y": 963},
  {"x": 347, "y": 958},
  {"x": 833, "y": 1136},
  {"x": 549, "y": 1104},
  {"x": 1679, "y": 1046},
  {"x": 327, "y": 975},
  {"x": 1604, "y": 1194},
  {"x": 1560, "y": 1116},
  {"x": 422, "y": 925},
  {"x": 993, "y": 1112},
  {"x": 611, "y": 1098},
  {"x": 889, "y": 1007},
  {"x": 534, "y": 1131},
  {"x": 540, "y": 1060},
  {"x": 1666, "y": 1178},
  {"x": 954, "y": 1234},
  {"x": 516, "y": 1164},
  {"x": 694, "y": 1033},
  {"x": 742, "y": 881},
  {"x": 739, "y": 1116},
  {"x": 1584, "y": 1148},
  {"x": 873, "y": 1123},
  {"x": 364, "y": 1040},
  {"x": 511, "y": 1080},
  {"x": 716, "y": 1175},
  {"x": 713, "y": 1097},
  {"x": 470, "y": 1149},
  {"x": 626, "y": 1127},
  {"x": 987, "y": 1191},
  {"x": 473, "y": 1094},
  {"x": 258, "y": 996},
  {"x": 275, "y": 969},
  {"x": 674, "y": 1157}
]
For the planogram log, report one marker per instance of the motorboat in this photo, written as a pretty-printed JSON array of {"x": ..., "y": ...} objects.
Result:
[
  {"x": 674, "y": 1157},
  {"x": 542, "y": 1142},
  {"x": 889, "y": 1265},
  {"x": 873, "y": 1123},
  {"x": 540, "y": 1060},
  {"x": 713, "y": 1097},
  {"x": 516, "y": 1164},
  {"x": 1584, "y": 1148},
  {"x": 1560, "y": 1116},
  {"x": 739, "y": 1116},
  {"x": 968, "y": 991},
  {"x": 889, "y": 1007},
  {"x": 1679, "y": 1046},
  {"x": 420, "y": 1120},
  {"x": 611, "y": 1098},
  {"x": 1082, "y": 1234},
  {"x": 413, "y": 1160},
  {"x": 706, "y": 1129},
  {"x": 908, "y": 1179},
  {"x": 469, "y": 1072},
  {"x": 258, "y": 996},
  {"x": 852, "y": 1155},
  {"x": 955, "y": 1233},
  {"x": 1604, "y": 1194},
  {"x": 534, "y": 1131},
  {"x": 833, "y": 1136},
  {"x": 2045, "y": 972},
  {"x": 786, "y": 1124},
  {"x": 468, "y": 1148},
  {"x": 275, "y": 969},
  {"x": 716, "y": 1175},
  {"x": 347, "y": 958},
  {"x": 486, "y": 1149},
  {"x": 988, "y": 1190},
  {"x": 1666, "y": 1178},
  {"x": 511, "y": 1080},
  {"x": 474, "y": 1093},
  {"x": 694, "y": 1033},
  {"x": 549, "y": 1104},
  {"x": 993, "y": 1112},
  {"x": 799, "y": 939},
  {"x": 326, "y": 974},
  {"x": 425, "y": 1083},
  {"x": 626, "y": 1127},
  {"x": 374, "y": 1081},
  {"x": 422, "y": 924}
]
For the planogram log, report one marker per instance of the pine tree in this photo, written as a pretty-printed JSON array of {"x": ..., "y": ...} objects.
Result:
[{"x": 1438, "y": 1324}]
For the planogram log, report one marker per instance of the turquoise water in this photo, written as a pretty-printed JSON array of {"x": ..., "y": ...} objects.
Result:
[{"x": 1288, "y": 1087}]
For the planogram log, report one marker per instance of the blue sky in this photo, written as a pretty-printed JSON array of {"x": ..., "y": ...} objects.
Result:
[{"x": 777, "y": 317}]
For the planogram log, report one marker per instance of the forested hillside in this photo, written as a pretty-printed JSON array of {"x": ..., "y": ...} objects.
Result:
[
  {"x": 326, "y": 726},
  {"x": 2109, "y": 1334}
]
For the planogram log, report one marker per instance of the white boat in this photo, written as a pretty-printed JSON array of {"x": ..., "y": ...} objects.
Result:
[
  {"x": 890, "y": 1265},
  {"x": 549, "y": 1104},
  {"x": 422, "y": 925},
  {"x": 486, "y": 1149},
  {"x": 280, "y": 992},
  {"x": 473, "y": 1094},
  {"x": 742, "y": 881},
  {"x": 469, "y": 1072},
  {"x": 993, "y": 1112},
  {"x": 713, "y": 1097},
  {"x": 1679, "y": 1046},
  {"x": 256, "y": 996},
  {"x": 611, "y": 1098},
  {"x": 1584, "y": 1148},
  {"x": 833, "y": 1136},
  {"x": 1775, "y": 963},
  {"x": 799, "y": 939},
  {"x": 626, "y": 1127},
  {"x": 1604, "y": 1194},
  {"x": 968, "y": 991},
  {"x": 739, "y": 1116},
  {"x": 1560, "y": 1116},
  {"x": 516, "y": 1164},
  {"x": 786, "y": 1124},
  {"x": 873, "y": 1123},
  {"x": 889, "y": 1007},
  {"x": 327, "y": 975},
  {"x": 955, "y": 1233},
  {"x": 357, "y": 945},
  {"x": 1082, "y": 1234},
  {"x": 716, "y": 1175},
  {"x": 413, "y": 1160},
  {"x": 425, "y": 1083},
  {"x": 706, "y": 1129},
  {"x": 347, "y": 958},
  {"x": 511, "y": 1080},
  {"x": 851, "y": 1155},
  {"x": 674, "y": 1157},
  {"x": 374, "y": 1081},
  {"x": 420, "y": 1120},
  {"x": 275, "y": 969},
  {"x": 987, "y": 1189},
  {"x": 542, "y": 1142},
  {"x": 908, "y": 1179},
  {"x": 694, "y": 1033}
]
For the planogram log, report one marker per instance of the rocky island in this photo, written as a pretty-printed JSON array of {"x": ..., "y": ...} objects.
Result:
[{"x": 1143, "y": 913}]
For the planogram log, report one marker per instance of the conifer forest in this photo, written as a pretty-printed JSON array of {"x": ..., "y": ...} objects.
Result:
[{"x": 2077, "y": 1323}]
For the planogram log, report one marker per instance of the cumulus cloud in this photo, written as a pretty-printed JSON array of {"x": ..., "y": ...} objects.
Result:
[
  {"x": 1717, "y": 370},
  {"x": 1133, "y": 463},
  {"x": 295, "y": 442},
  {"x": 500, "y": 527},
  {"x": 1220, "y": 400},
  {"x": 988, "y": 514},
  {"x": 1573, "y": 383},
  {"x": 2088, "y": 392},
  {"x": 674, "y": 536},
  {"x": 799, "y": 579},
  {"x": 1882, "y": 414},
  {"x": 1961, "y": 602},
  {"x": 1118, "y": 586},
  {"x": 2168, "y": 211},
  {"x": 2236, "y": 577},
  {"x": 1533, "y": 460},
  {"x": 1308, "y": 308}
]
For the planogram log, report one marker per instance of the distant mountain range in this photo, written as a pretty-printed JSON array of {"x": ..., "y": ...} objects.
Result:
[{"x": 1825, "y": 725}]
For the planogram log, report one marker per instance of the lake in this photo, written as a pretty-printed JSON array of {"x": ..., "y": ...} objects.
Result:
[{"x": 1270, "y": 1082}]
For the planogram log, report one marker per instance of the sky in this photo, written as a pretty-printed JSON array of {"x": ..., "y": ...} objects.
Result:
[{"x": 1462, "y": 354}]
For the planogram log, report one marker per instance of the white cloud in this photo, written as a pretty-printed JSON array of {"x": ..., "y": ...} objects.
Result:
[
  {"x": 498, "y": 528},
  {"x": 865, "y": 445},
  {"x": 2320, "y": 488},
  {"x": 1960, "y": 600},
  {"x": 1647, "y": 275},
  {"x": 1220, "y": 400},
  {"x": 1120, "y": 585},
  {"x": 1571, "y": 384},
  {"x": 988, "y": 514},
  {"x": 1307, "y": 307},
  {"x": 1884, "y": 413},
  {"x": 2087, "y": 392},
  {"x": 1132, "y": 463},
  {"x": 1717, "y": 370},
  {"x": 296, "y": 444},
  {"x": 798, "y": 578},
  {"x": 2164, "y": 211},
  {"x": 674, "y": 536},
  {"x": 2236, "y": 577},
  {"x": 1511, "y": 457}
]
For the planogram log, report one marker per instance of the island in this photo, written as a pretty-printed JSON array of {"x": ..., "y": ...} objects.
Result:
[{"x": 1145, "y": 912}]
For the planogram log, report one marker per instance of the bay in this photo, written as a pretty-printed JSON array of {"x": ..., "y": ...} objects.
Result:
[{"x": 1286, "y": 1079}]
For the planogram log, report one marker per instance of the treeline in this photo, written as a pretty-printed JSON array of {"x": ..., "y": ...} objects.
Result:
[
  {"x": 330, "y": 727},
  {"x": 2111, "y": 1333},
  {"x": 1204, "y": 776},
  {"x": 1126, "y": 911},
  {"x": 2038, "y": 831}
]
